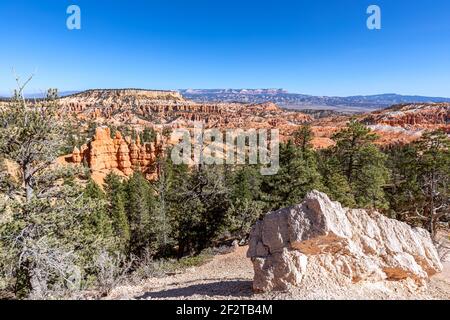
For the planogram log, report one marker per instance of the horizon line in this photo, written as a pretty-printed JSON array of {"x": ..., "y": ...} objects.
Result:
[{"x": 73, "y": 92}]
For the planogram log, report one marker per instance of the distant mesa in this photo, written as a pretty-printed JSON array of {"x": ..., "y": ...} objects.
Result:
[{"x": 102, "y": 94}]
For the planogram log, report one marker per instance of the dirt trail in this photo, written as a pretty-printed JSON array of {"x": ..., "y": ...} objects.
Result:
[{"x": 230, "y": 276}]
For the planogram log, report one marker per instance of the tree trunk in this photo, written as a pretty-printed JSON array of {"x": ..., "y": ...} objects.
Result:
[{"x": 28, "y": 181}]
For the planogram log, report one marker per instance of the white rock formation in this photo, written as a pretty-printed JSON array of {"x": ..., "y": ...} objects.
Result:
[{"x": 357, "y": 244}]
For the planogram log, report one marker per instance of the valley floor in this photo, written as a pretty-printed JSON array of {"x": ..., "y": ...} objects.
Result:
[{"x": 230, "y": 277}]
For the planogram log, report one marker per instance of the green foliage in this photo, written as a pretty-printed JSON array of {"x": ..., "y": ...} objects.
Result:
[
  {"x": 245, "y": 201},
  {"x": 164, "y": 266},
  {"x": 200, "y": 209},
  {"x": 97, "y": 221},
  {"x": 420, "y": 192},
  {"x": 362, "y": 164},
  {"x": 302, "y": 138},
  {"x": 51, "y": 244},
  {"x": 29, "y": 137},
  {"x": 335, "y": 182},
  {"x": 170, "y": 178},
  {"x": 140, "y": 204},
  {"x": 74, "y": 137},
  {"x": 115, "y": 197},
  {"x": 189, "y": 262},
  {"x": 54, "y": 227},
  {"x": 297, "y": 176},
  {"x": 148, "y": 135}
]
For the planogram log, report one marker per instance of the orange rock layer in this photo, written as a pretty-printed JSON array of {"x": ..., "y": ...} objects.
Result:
[{"x": 122, "y": 156}]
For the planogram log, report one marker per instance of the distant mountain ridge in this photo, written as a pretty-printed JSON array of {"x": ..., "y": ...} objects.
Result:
[
  {"x": 40, "y": 95},
  {"x": 358, "y": 103},
  {"x": 302, "y": 101}
]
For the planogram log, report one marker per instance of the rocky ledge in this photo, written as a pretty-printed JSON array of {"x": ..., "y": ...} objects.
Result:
[{"x": 355, "y": 244}]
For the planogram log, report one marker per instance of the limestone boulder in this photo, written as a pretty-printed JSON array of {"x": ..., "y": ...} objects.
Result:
[{"x": 357, "y": 244}]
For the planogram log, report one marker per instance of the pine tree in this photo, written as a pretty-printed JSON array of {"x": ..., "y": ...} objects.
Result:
[
  {"x": 302, "y": 138},
  {"x": 245, "y": 201},
  {"x": 140, "y": 210},
  {"x": 185, "y": 211},
  {"x": 169, "y": 178},
  {"x": 148, "y": 135},
  {"x": 98, "y": 220},
  {"x": 362, "y": 163},
  {"x": 245, "y": 183},
  {"x": 297, "y": 176},
  {"x": 349, "y": 143},
  {"x": 45, "y": 241},
  {"x": 115, "y": 197},
  {"x": 420, "y": 184},
  {"x": 200, "y": 209},
  {"x": 434, "y": 172},
  {"x": 335, "y": 183}
]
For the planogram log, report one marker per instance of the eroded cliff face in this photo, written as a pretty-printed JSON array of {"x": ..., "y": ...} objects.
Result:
[
  {"x": 406, "y": 123},
  {"x": 140, "y": 108},
  {"x": 120, "y": 155},
  {"x": 413, "y": 116},
  {"x": 400, "y": 124}
]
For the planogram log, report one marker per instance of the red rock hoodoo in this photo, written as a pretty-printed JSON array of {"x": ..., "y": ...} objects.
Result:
[{"x": 122, "y": 156}]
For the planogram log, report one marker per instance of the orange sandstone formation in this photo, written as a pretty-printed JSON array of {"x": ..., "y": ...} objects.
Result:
[
  {"x": 418, "y": 116},
  {"x": 120, "y": 155},
  {"x": 140, "y": 108}
]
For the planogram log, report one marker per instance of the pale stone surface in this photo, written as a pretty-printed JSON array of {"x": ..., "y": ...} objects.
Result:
[{"x": 356, "y": 244}]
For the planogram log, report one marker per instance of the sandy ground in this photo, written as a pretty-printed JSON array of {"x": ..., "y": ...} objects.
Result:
[{"x": 230, "y": 276}]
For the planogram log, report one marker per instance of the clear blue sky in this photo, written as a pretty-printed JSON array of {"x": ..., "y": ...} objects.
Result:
[{"x": 319, "y": 47}]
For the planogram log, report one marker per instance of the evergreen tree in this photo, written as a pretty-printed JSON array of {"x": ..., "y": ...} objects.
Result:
[
  {"x": 200, "y": 213},
  {"x": 421, "y": 175},
  {"x": 302, "y": 138},
  {"x": 169, "y": 178},
  {"x": 148, "y": 135},
  {"x": 434, "y": 176},
  {"x": 245, "y": 201},
  {"x": 44, "y": 241},
  {"x": 115, "y": 197},
  {"x": 140, "y": 211},
  {"x": 297, "y": 176},
  {"x": 98, "y": 220},
  {"x": 362, "y": 163},
  {"x": 334, "y": 181}
]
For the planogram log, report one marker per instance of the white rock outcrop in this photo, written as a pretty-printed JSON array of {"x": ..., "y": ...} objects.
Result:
[{"x": 354, "y": 244}]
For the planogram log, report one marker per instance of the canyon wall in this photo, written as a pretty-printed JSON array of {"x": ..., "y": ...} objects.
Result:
[{"x": 144, "y": 108}]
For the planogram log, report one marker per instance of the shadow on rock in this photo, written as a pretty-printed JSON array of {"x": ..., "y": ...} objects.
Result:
[{"x": 234, "y": 288}]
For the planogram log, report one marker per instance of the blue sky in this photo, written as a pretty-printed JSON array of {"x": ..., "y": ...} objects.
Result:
[{"x": 319, "y": 47}]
